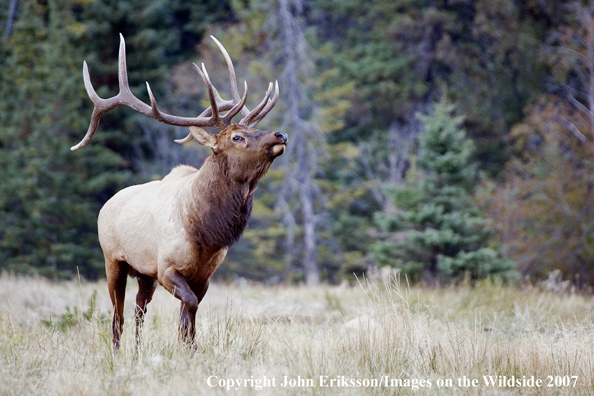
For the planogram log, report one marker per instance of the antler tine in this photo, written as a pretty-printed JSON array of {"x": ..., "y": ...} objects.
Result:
[
  {"x": 268, "y": 107},
  {"x": 237, "y": 108},
  {"x": 189, "y": 137},
  {"x": 232, "y": 77},
  {"x": 97, "y": 113},
  {"x": 213, "y": 102},
  {"x": 89, "y": 86},
  {"x": 256, "y": 111},
  {"x": 122, "y": 66},
  {"x": 185, "y": 140}
]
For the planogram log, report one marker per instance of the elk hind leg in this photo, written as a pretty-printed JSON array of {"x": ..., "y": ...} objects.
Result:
[
  {"x": 146, "y": 289},
  {"x": 117, "y": 274}
]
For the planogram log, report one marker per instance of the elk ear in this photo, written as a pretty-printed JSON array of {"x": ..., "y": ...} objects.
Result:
[{"x": 202, "y": 137}]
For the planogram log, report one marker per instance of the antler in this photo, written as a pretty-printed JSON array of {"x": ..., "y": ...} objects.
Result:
[
  {"x": 209, "y": 118},
  {"x": 251, "y": 118}
]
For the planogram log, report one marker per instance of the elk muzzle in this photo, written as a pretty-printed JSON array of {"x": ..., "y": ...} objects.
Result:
[{"x": 279, "y": 148}]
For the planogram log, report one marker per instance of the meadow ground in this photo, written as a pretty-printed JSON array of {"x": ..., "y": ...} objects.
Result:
[{"x": 365, "y": 339}]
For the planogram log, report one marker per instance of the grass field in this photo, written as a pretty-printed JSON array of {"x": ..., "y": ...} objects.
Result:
[{"x": 366, "y": 339}]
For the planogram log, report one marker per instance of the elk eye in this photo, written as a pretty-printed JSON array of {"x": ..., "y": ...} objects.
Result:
[{"x": 238, "y": 139}]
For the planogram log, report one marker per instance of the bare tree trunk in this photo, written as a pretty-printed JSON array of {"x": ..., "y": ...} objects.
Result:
[
  {"x": 584, "y": 71},
  {"x": 290, "y": 224},
  {"x": 10, "y": 19},
  {"x": 301, "y": 158},
  {"x": 589, "y": 22},
  {"x": 395, "y": 157},
  {"x": 310, "y": 259},
  {"x": 374, "y": 185}
]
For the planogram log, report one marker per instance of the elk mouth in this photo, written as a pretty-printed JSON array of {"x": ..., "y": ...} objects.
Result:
[{"x": 278, "y": 150}]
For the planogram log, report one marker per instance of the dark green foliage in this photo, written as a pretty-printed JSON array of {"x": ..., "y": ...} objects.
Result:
[
  {"x": 437, "y": 231},
  {"x": 49, "y": 196},
  {"x": 400, "y": 53}
]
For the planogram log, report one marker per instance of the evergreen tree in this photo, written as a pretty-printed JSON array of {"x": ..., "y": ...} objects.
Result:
[
  {"x": 437, "y": 231},
  {"x": 49, "y": 196}
]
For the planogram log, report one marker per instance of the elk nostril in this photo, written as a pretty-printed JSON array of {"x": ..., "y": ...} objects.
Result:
[{"x": 281, "y": 136}]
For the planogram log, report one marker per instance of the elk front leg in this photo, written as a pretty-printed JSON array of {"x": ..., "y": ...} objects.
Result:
[
  {"x": 117, "y": 274},
  {"x": 146, "y": 289},
  {"x": 176, "y": 284},
  {"x": 200, "y": 289}
]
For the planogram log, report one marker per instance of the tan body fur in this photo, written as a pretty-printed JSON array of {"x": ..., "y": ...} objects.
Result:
[{"x": 143, "y": 226}]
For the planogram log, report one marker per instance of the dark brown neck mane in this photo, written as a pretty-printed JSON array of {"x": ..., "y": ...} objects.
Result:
[{"x": 218, "y": 209}]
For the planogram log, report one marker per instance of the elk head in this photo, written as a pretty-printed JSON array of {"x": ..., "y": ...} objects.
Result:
[
  {"x": 241, "y": 139},
  {"x": 245, "y": 152}
]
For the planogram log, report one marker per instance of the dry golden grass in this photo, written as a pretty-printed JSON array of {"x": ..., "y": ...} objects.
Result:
[{"x": 51, "y": 342}]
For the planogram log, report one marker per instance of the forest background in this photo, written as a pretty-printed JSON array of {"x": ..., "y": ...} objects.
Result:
[{"x": 447, "y": 139}]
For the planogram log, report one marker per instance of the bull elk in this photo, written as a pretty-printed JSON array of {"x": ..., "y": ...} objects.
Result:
[{"x": 177, "y": 231}]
